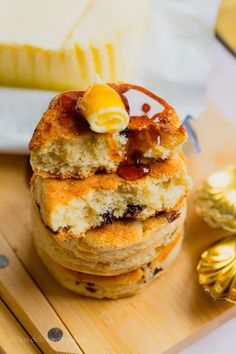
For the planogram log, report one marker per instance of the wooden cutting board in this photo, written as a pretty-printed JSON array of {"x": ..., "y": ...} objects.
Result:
[
  {"x": 11, "y": 331},
  {"x": 165, "y": 317}
]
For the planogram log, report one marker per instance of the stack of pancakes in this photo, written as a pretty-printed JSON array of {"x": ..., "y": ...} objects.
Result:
[{"x": 100, "y": 232}]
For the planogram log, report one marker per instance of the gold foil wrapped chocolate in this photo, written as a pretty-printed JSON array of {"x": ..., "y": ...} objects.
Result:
[
  {"x": 217, "y": 270},
  {"x": 216, "y": 199}
]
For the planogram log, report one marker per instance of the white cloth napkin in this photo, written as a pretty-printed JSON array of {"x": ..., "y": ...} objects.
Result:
[{"x": 177, "y": 58}]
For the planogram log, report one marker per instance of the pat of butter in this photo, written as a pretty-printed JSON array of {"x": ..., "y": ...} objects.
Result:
[{"x": 104, "y": 109}]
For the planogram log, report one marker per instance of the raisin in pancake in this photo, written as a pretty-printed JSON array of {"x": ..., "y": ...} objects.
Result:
[
  {"x": 64, "y": 146},
  {"x": 75, "y": 206},
  {"x": 110, "y": 250},
  {"x": 113, "y": 287}
]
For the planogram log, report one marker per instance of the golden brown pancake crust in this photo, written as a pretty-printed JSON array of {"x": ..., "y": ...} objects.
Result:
[
  {"x": 61, "y": 121},
  {"x": 113, "y": 286},
  {"x": 112, "y": 249}
]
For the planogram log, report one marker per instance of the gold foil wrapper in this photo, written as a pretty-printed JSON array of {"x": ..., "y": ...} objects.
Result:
[
  {"x": 216, "y": 199},
  {"x": 217, "y": 270}
]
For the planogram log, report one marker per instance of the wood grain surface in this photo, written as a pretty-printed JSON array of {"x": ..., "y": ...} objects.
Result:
[
  {"x": 29, "y": 305},
  {"x": 13, "y": 338},
  {"x": 166, "y": 316}
]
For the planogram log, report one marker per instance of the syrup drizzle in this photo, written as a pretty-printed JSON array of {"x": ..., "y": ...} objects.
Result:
[
  {"x": 68, "y": 100},
  {"x": 146, "y": 107},
  {"x": 143, "y": 132}
]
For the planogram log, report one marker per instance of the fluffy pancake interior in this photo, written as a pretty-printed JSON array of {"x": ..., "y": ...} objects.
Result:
[
  {"x": 78, "y": 206},
  {"x": 81, "y": 157},
  {"x": 85, "y": 155}
]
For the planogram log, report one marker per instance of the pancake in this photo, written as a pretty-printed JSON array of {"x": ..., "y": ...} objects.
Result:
[
  {"x": 64, "y": 146},
  {"x": 75, "y": 206},
  {"x": 110, "y": 250},
  {"x": 113, "y": 287}
]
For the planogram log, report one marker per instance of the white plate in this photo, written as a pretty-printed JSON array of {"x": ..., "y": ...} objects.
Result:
[{"x": 20, "y": 111}]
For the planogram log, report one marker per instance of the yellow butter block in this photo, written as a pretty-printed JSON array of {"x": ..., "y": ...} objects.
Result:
[{"x": 59, "y": 44}]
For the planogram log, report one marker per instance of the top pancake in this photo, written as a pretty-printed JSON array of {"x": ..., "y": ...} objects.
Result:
[
  {"x": 64, "y": 146},
  {"x": 62, "y": 121}
]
